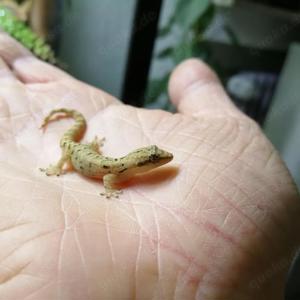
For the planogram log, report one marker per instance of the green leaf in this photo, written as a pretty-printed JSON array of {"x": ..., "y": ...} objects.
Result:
[
  {"x": 167, "y": 52},
  {"x": 182, "y": 51},
  {"x": 188, "y": 12},
  {"x": 204, "y": 21},
  {"x": 165, "y": 30},
  {"x": 156, "y": 87},
  {"x": 201, "y": 51}
]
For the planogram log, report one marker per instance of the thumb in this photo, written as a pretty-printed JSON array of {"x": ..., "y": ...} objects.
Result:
[{"x": 196, "y": 90}]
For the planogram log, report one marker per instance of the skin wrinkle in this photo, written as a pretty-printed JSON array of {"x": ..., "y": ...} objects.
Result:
[
  {"x": 197, "y": 178},
  {"x": 43, "y": 234},
  {"x": 228, "y": 215},
  {"x": 155, "y": 131},
  {"x": 71, "y": 189},
  {"x": 76, "y": 200},
  {"x": 209, "y": 227},
  {"x": 47, "y": 284},
  {"x": 34, "y": 276},
  {"x": 186, "y": 278},
  {"x": 15, "y": 117},
  {"x": 137, "y": 262},
  {"x": 15, "y": 273},
  {"x": 148, "y": 138},
  {"x": 191, "y": 259},
  {"x": 108, "y": 234},
  {"x": 128, "y": 122},
  {"x": 166, "y": 247},
  {"x": 61, "y": 245},
  {"x": 189, "y": 278},
  {"x": 24, "y": 204},
  {"x": 141, "y": 229},
  {"x": 174, "y": 216},
  {"x": 172, "y": 130},
  {"x": 185, "y": 257},
  {"x": 195, "y": 181},
  {"x": 251, "y": 198},
  {"x": 7, "y": 228},
  {"x": 15, "y": 131},
  {"x": 234, "y": 207},
  {"x": 200, "y": 157},
  {"x": 157, "y": 124},
  {"x": 83, "y": 262},
  {"x": 94, "y": 103},
  {"x": 158, "y": 254},
  {"x": 220, "y": 150},
  {"x": 176, "y": 286}
]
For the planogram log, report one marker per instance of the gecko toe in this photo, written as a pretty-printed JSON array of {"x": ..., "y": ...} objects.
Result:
[{"x": 111, "y": 194}]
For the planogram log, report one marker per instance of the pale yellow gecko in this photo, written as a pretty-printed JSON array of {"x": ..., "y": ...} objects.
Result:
[{"x": 87, "y": 159}]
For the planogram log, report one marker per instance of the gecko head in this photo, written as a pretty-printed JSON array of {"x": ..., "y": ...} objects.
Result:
[
  {"x": 143, "y": 160},
  {"x": 152, "y": 157}
]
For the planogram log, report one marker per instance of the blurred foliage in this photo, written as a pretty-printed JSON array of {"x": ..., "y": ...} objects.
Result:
[
  {"x": 190, "y": 20},
  {"x": 21, "y": 32}
]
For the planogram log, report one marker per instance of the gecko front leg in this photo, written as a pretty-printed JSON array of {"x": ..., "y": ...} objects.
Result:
[
  {"x": 96, "y": 144},
  {"x": 110, "y": 181},
  {"x": 57, "y": 168}
]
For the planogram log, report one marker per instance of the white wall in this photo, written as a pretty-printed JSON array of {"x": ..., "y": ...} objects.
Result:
[
  {"x": 283, "y": 121},
  {"x": 95, "y": 41}
]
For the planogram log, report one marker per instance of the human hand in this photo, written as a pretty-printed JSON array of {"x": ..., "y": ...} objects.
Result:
[{"x": 221, "y": 222}]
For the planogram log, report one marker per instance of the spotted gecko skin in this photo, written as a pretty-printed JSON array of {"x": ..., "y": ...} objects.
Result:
[{"x": 88, "y": 160}]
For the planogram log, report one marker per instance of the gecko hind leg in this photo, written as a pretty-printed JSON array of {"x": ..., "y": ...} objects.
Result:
[
  {"x": 109, "y": 182},
  {"x": 56, "y": 169},
  {"x": 96, "y": 144}
]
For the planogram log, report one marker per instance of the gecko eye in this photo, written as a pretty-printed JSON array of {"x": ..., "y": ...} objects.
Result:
[{"x": 159, "y": 156}]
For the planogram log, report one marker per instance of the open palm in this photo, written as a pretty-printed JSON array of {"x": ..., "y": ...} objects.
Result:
[{"x": 210, "y": 225}]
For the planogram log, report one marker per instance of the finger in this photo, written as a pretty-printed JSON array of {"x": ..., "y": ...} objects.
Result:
[
  {"x": 24, "y": 64},
  {"x": 31, "y": 70},
  {"x": 196, "y": 90},
  {"x": 5, "y": 71}
]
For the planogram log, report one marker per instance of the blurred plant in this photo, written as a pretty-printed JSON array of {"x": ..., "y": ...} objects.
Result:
[
  {"x": 190, "y": 21},
  {"x": 14, "y": 26}
]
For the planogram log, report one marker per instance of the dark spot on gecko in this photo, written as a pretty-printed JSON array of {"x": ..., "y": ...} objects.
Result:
[
  {"x": 153, "y": 158},
  {"x": 81, "y": 167},
  {"x": 64, "y": 143},
  {"x": 142, "y": 163},
  {"x": 123, "y": 165},
  {"x": 76, "y": 157},
  {"x": 115, "y": 159},
  {"x": 105, "y": 167},
  {"x": 123, "y": 170}
]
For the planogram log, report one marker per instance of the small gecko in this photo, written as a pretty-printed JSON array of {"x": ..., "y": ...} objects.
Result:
[{"x": 88, "y": 160}]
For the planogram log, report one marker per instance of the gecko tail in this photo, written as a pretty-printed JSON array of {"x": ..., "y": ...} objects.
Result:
[{"x": 76, "y": 131}]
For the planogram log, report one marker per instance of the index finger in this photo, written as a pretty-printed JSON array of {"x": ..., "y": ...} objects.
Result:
[{"x": 25, "y": 66}]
